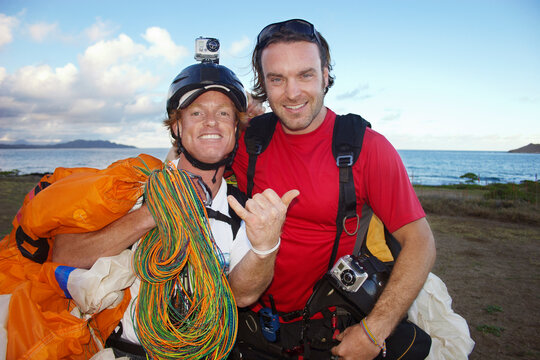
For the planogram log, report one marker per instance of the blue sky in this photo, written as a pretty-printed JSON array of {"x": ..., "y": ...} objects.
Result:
[{"x": 443, "y": 75}]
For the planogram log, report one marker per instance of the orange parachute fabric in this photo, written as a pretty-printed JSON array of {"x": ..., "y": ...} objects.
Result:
[{"x": 42, "y": 323}]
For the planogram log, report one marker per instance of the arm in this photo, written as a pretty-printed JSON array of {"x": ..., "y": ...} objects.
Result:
[
  {"x": 410, "y": 271},
  {"x": 251, "y": 277},
  {"x": 264, "y": 216},
  {"x": 82, "y": 250}
]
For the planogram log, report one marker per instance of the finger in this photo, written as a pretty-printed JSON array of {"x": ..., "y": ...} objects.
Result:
[
  {"x": 269, "y": 195},
  {"x": 289, "y": 196},
  {"x": 335, "y": 351},
  {"x": 237, "y": 207}
]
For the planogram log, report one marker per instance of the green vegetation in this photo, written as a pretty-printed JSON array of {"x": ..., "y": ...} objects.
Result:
[
  {"x": 13, "y": 172},
  {"x": 491, "y": 309},
  {"x": 516, "y": 203},
  {"x": 471, "y": 177},
  {"x": 490, "y": 329}
]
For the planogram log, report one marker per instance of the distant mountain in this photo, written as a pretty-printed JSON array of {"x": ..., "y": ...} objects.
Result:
[
  {"x": 528, "y": 149},
  {"x": 76, "y": 144}
]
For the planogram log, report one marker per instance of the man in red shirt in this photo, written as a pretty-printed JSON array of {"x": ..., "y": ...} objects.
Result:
[{"x": 292, "y": 69}]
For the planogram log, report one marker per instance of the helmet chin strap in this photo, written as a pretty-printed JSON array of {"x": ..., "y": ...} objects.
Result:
[{"x": 202, "y": 165}]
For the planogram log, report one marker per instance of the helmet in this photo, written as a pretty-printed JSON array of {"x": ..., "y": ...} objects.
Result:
[{"x": 199, "y": 78}]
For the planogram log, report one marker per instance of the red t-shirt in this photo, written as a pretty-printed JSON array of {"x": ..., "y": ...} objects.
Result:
[{"x": 305, "y": 162}]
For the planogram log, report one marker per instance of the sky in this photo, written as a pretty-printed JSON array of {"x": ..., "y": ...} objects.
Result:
[{"x": 428, "y": 75}]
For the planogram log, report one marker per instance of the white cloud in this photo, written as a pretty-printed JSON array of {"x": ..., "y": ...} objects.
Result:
[
  {"x": 391, "y": 115},
  {"x": 108, "y": 94},
  {"x": 42, "y": 82},
  {"x": 40, "y": 31},
  {"x": 108, "y": 130},
  {"x": 163, "y": 46},
  {"x": 3, "y": 73},
  {"x": 144, "y": 105},
  {"x": 239, "y": 47},
  {"x": 100, "y": 30},
  {"x": 106, "y": 53},
  {"x": 86, "y": 106},
  {"x": 146, "y": 134},
  {"x": 7, "y": 24},
  {"x": 123, "y": 80}
]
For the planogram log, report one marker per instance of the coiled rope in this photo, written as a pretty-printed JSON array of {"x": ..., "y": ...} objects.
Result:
[{"x": 185, "y": 308}]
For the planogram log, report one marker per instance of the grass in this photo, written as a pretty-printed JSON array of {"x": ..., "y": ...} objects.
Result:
[
  {"x": 13, "y": 189},
  {"x": 492, "y": 309},
  {"x": 516, "y": 203},
  {"x": 490, "y": 329},
  {"x": 13, "y": 172}
]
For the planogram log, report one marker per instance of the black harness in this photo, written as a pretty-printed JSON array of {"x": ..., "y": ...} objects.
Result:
[{"x": 347, "y": 140}]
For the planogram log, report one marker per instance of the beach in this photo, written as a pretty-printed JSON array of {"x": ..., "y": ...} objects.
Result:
[{"x": 488, "y": 259}]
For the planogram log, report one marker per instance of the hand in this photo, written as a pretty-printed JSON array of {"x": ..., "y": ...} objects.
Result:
[
  {"x": 355, "y": 344},
  {"x": 255, "y": 107},
  {"x": 264, "y": 215}
]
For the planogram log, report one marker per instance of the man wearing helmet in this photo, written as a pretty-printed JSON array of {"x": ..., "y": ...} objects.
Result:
[{"x": 205, "y": 105}]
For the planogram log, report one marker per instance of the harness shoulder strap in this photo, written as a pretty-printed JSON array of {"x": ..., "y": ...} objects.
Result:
[
  {"x": 241, "y": 198},
  {"x": 257, "y": 137},
  {"x": 233, "y": 220},
  {"x": 347, "y": 140}
]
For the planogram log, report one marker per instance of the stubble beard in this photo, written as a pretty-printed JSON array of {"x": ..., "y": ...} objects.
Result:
[{"x": 301, "y": 121}]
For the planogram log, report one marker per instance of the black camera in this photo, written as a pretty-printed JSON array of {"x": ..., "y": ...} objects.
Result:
[
  {"x": 354, "y": 283},
  {"x": 207, "y": 50}
]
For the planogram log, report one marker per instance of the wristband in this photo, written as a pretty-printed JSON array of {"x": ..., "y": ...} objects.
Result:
[
  {"x": 372, "y": 338},
  {"x": 264, "y": 252}
]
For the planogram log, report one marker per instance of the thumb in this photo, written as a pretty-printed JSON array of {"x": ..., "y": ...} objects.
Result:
[{"x": 289, "y": 196}]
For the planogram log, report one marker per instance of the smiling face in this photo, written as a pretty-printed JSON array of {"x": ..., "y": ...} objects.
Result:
[
  {"x": 208, "y": 127},
  {"x": 295, "y": 82}
]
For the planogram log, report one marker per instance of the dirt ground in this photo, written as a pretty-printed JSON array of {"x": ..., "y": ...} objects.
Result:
[{"x": 491, "y": 269}]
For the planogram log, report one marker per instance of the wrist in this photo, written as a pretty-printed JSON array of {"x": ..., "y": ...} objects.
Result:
[
  {"x": 267, "y": 252},
  {"x": 375, "y": 339}
]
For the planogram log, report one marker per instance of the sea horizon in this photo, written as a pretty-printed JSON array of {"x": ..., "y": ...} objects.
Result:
[{"x": 424, "y": 167}]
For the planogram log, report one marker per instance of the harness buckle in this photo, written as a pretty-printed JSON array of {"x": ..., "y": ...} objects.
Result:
[
  {"x": 258, "y": 149},
  {"x": 344, "y": 160}
]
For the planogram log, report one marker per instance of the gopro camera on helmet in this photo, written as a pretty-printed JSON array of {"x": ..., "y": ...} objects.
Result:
[{"x": 207, "y": 50}]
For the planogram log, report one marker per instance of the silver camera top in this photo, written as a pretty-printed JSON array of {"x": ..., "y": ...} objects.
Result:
[
  {"x": 207, "y": 50},
  {"x": 348, "y": 273}
]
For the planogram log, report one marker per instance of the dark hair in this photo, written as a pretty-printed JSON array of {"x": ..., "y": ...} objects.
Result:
[{"x": 285, "y": 36}]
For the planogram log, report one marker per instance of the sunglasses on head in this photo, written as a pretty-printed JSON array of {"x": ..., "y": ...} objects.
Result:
[{"x": 297, "y": 26}]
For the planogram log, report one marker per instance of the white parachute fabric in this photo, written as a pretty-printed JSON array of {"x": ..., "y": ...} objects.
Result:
[{"x": 432, "y": 311}]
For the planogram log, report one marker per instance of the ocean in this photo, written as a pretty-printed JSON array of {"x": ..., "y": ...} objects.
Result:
[{"x": 426, "y": 167}]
